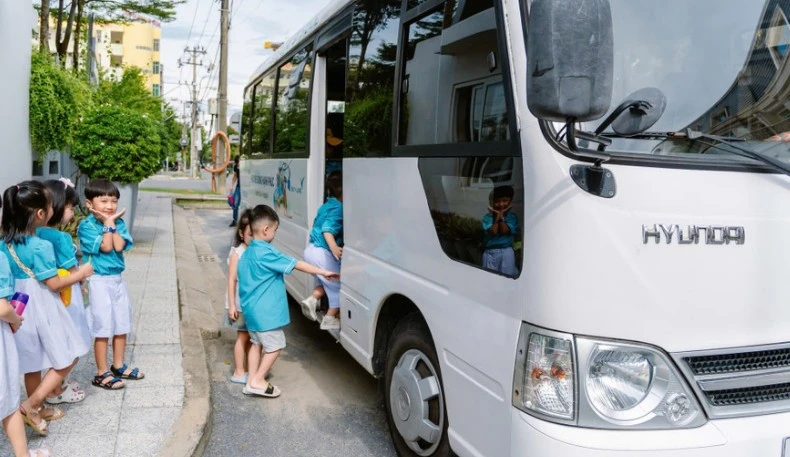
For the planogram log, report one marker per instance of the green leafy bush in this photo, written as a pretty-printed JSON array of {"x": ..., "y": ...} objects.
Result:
[
  {"x": 118, "y": 144},
  {"x": 57, "y": 101}
]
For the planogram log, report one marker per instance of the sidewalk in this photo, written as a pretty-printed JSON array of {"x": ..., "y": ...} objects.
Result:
[{"x": 137, "y": 420}]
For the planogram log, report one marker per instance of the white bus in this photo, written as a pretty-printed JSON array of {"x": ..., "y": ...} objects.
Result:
[{"x": 632, "y": 299}]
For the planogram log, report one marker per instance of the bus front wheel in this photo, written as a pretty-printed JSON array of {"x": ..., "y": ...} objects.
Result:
[{"x": 414, "y": 397}]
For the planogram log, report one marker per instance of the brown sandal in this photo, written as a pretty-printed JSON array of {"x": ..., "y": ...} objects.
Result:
[
  {"x": 29, "y": 415},
  {"x": 55, "y": 413}
]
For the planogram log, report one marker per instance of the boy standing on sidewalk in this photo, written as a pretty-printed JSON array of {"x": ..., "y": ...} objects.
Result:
[
  {"x": 103, "y": 239},
  {"x": 264, "y": 302}
]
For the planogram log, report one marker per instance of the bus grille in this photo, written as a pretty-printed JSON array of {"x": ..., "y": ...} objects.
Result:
[
  {"x": 744, "y": 361},
  {"x": 740, "y": 382},
  {"x": 749, "y": 395}
]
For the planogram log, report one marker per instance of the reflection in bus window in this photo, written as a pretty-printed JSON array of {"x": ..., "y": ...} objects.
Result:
[
  {"x": 291, "y": 109},
  {"x": 371, "y": 79},
  {"x": 261, "y": 122},
  {"x": 246, "y": 122},
  {"x": 451, "y": 94}
]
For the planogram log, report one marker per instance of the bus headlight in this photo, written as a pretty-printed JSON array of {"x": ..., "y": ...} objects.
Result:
[
  {"x": 597, "y": 383},
  {"x": 628, "y": 385},
  {"x": 544, "y": 380}
]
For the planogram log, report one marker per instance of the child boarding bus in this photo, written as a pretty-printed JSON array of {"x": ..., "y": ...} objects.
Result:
[{"x": 566, "y": 222}]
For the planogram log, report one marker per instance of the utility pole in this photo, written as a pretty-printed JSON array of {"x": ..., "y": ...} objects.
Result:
[
  {"x": 222, "y": 91},
  {"x": 195, "y": 137}
]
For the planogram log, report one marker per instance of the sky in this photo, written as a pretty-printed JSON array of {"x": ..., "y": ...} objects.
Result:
[{"x": 252, "y": 23}]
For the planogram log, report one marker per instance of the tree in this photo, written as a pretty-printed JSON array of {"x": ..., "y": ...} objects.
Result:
[
  {"x": 119, "y": 144},
  {"x": 130, "y": 91},
  {"x": 106, "y": 10},
  {"x": 57, "y": 101},
  {"x": 43, "y": 30}
]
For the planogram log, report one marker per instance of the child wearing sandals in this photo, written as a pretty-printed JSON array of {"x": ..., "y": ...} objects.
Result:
[
  {"x": 233, "y": 317},
  {"x": 48, "y": 340},
  {"x": 9, "y": 368},
  {"x": 263, "y": 299},
  {"x": 325, "y": 250},
  {"x": 64, "y": 199},
  {"x": 103, "y": 239}
]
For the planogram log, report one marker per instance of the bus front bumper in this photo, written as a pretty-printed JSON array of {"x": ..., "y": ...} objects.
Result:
[{"x": 763, "y": 436}]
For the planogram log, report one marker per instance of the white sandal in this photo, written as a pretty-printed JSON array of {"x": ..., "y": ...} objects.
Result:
[
  {"x": 68, "y": 396},
  {"x": 39, "y": 452}
]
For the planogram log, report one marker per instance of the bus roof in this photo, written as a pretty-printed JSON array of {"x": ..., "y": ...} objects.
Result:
[{"x": 309, "y": 29}]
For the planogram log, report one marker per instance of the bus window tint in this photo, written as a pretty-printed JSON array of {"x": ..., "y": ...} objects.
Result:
[
  {"x": 261, "y": 122},
  {"x": 453, "y": 92},
  {"x": 291, "y": 106},
  {"x": 371, "y": 79}
]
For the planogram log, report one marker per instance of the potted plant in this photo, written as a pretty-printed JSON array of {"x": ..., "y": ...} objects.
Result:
[{"x": 119, "y": 144}]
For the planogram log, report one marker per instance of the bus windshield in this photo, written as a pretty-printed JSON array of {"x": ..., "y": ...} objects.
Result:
[{"x": 722, "y": 65}]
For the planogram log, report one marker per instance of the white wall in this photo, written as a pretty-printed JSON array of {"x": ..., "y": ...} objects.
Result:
[{"x": 15, "y": 31}]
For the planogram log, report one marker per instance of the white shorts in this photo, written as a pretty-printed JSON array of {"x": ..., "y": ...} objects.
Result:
[
  {"x": 271, "y": 341},
  {"x": 323, "y": 258},
  {"x": 111, "y": 308}
]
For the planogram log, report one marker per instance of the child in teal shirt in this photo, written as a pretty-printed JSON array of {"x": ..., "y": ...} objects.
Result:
[{"x": 264, "y": 302}]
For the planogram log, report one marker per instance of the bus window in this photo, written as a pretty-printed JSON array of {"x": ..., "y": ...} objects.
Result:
[
  {"x": 246, "y": 121},
  {"x": 261, "y": 122},
  {"x": 371, "y": 79},
  {"x": 291, "y": 109},
  {"x": 452, "y": 91},
  {"x": 334, "y": 146}
]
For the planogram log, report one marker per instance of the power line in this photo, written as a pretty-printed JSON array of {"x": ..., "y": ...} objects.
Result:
[
  {"x": 208, "y": 16},
  {"x": 194, "y": 16}
]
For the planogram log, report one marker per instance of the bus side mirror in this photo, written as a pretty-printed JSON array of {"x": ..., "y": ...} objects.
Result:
[{"x": 569, "y": 59}]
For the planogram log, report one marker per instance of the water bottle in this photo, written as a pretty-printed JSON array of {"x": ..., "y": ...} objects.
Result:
[{"x": 19, "y": 302}]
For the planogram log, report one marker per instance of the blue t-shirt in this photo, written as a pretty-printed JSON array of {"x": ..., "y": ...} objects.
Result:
[
  {"x": 34, "y": 253},
  {"x": 6, "y": 279},
  {"x": 64, "y": 247},
  {"x": 90, "y": 235},
  {"x": 329, "y": 219},
  {"x": 262, "y": 286},
  {"x": 491, "y": 241}
]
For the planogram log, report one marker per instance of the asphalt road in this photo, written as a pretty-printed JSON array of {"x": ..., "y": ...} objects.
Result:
[{"x": 329, "y": 405}]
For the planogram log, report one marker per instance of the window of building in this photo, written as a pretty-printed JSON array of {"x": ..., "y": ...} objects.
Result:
[
  {"x": 371, "y": 79},
  {"x": 156, "y": 90},
  {"x": 291, "y": 110},
  {"x": 116, "y": 61},
  {"x": 156, "y": 67},
  {"x": 116, "y": 37},
  {"x": 156, "y": 45},
  {"x": 98, "y": 36},
  {"x": 38, "y": 168},
  {"x": 53, "y": 167}
]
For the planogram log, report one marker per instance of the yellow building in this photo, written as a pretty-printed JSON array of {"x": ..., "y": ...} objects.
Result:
[{"x": 135, "y": 44}]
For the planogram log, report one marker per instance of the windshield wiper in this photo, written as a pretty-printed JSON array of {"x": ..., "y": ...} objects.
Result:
[{"x": 732, "y": 147}]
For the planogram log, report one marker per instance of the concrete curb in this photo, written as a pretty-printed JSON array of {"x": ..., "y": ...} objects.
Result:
[{"x": 201, "y": 289}]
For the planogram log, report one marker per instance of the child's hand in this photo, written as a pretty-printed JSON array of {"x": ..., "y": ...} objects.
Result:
[
  {"x": 18, "y": 323},
  {"x": 331, "y": 275},
  {"x": 86, "y": 270},
  {"x": 337, "y": 252},
  {"x": 233, "y": 313}
]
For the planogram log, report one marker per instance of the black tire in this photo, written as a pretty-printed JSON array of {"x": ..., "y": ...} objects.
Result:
[{"x": 412, "y": 346}]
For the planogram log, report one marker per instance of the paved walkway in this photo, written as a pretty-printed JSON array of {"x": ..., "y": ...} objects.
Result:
[{"x": 136, "y": 420}]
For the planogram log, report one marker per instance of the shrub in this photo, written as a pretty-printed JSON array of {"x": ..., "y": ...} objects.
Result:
[{"x": 118, "y": 144}]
